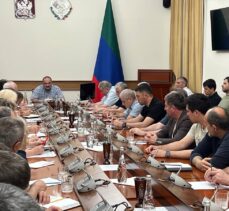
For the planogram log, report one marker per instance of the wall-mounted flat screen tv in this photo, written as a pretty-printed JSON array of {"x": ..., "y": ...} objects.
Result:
[
  {"x": 87, "y": 91},
  {"x": 220, "y": 29}
]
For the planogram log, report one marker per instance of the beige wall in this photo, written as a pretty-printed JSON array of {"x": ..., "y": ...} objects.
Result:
[
  {"x": 216, "y": 63},
  {"x": 67, "y": 49}
]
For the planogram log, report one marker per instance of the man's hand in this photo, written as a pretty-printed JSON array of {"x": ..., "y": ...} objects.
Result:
[
  {"x": 117, "y": 123},
  {"x": 203, "y": 164},
  {"x": 53, "y": 208},
  {"x": 151, "y": 138},
  {"x": 43, "y": 197},
  {"x": 138, "y": 131},
  {"x": 160, "y": 153},
  {"x": 149, "y": 149},
  {"x": 217, "y": 176}
]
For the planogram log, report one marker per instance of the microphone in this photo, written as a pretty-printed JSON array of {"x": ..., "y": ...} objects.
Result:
[
  {"x": 64, "y": 138},
  {"x": 177, "y": 180},
  {"x": 66, "y": 151},
  {"x": 103, "y": 205},
  {"x": 86, "y": 184},
  {"x": 135, "y": 149},
  {"x": 121, "y": 138},
  {"x": 155, "y": 163},
  {"x": 76, "y": 165}
]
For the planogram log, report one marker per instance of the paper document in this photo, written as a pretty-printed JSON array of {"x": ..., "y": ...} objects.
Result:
[
  {"x": 140, "y": 142},
  {"x": 33, "y": 120},
  {"x": 176, "y": 166},
  {"x": 40, "y": 164},
  {"x": 130, "y": 181},
  {"x": 45, "y": 154},
  {"x": 31, "y": 116},
  {"x": 156, "y": 209},
  {"x": 114, "y": 167},
  {"x": 64, "y": 204},
  {"x": 205, "y": 185},
  {"x": 48, "y": 181}
]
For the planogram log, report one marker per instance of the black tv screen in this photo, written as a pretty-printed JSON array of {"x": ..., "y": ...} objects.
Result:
[
  {"x": 87, "y": 91},
  {"x": 220, "y": 29}
]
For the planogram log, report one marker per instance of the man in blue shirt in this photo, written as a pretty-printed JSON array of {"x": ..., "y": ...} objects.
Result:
[
  {"x": 110, "y": 97},
  {"x": 213, "y": 150},
  {"x": 133, "y": 108},
  {"x": 46, "y": 91}
]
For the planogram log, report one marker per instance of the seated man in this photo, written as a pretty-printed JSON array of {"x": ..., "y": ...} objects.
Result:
[
  {"x": 5, "y": 111},
  {"x": 46, "y": 91},
  {"x": 14, "y": 199},
  {"x": 152, "y": 112},
  {"x": 110, "y": 97},
  {"x": 178, "y": 124},
  {"x": 197, "y": 106},
  {"x": 12, "y": 134},
  {"x": 182, "y": 83},
  {"x": 224, "y": 103},
  {"x": 213, "y": 150},
  {"x": 210, "y": 91},
  {"x": 10, "y": 85},
  {"x": 118, "y": 107},
  {"x": 16, "y": 171},
  {"x": 133, "y": 108}
]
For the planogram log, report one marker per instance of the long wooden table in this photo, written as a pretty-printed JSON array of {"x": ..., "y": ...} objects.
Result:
[{"x": 165, "y": 193}]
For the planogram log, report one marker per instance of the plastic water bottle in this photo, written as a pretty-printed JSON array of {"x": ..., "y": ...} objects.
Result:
[
  {"x": 148, "y": 197},
  {"x": 122, "y": 171}
]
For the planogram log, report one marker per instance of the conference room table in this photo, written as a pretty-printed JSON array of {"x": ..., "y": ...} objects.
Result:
[{"x": 166, "y": 194}]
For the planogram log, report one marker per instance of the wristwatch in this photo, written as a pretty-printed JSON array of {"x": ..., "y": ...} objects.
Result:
[
  {"x": 124, "y": 125},
  {"x": 167, "y": 154}
]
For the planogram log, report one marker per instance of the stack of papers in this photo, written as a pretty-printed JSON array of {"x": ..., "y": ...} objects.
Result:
[
  {"x": 48, "y": 181},
  {"x": 177, "y": 166},
  {"x": 40, "y": 164},
  {"x": 63, "y": 203}
]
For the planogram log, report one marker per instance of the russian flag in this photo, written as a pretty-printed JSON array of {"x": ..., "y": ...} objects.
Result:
[{"x": 108, "y": 63}]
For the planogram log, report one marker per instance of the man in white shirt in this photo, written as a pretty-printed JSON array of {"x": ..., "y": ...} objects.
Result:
[
  {"x": 182, "y": 83},
  {"x": 110, "y": 97}
]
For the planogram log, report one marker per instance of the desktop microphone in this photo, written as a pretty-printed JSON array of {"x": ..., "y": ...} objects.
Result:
[
  {"x": 66, "y": 151},
  {"x": 76, "y": 165},
  {"x": 177, "y": 180},
  {"x": 155, "y": 163},
  {"x": 135, "y": 149},
  {"x": 63, "y": 138},
  {"x": 121, "y": 138},
  {"x": 102, "y": 206},
  {"x": 86, "y": 184}
]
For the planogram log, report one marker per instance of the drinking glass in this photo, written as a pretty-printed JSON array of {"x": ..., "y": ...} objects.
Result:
[
  {"x": 71, "y": 116},
  {"x": 140, "y": 187},
  {"x": 221, "y": 199},
  {"x": 130, "y": 138},
  {"x": 67, "y": 184}
]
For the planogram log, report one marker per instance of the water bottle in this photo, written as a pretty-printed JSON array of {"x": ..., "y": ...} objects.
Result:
[
  {"x": 122, "y": 171},
  {"x": 148, "y": 197}
]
